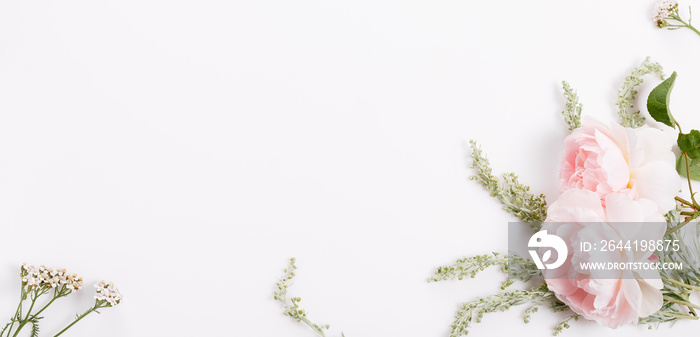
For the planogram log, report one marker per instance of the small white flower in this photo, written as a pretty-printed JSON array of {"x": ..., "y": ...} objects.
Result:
[
  {"x": 74, "y": 282},
  {"x": 106, "y": 291},
  {"x": 43, "y": 276},
  {"x": 664, "y": 10},
  {"x": 33, "y": 282}
]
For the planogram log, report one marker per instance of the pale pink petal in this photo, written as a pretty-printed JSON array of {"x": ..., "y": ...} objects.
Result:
[
  {"x": 658, "y": 182},
  {"x": 633, "y": 293},
  {"x": 652, "y": 298},
  {"x": 621, "y": 208},
  {"x": 576, "y": 205},
  {"x": 612, "y": 162},
  {"x": 653, "y": 145}
]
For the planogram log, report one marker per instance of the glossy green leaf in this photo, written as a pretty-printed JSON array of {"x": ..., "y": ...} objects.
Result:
[
  {"x": 659, "y": 100},
  {"x": 682, "y": 168},
  {"x": 690, "y": 143}
]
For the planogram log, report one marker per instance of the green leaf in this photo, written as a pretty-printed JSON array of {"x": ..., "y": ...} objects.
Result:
[
  {"x": 35, "y": 329},
  {"x": 690, "y": 143},
  {"x": 694, "y": 168},
  {"x": 658, "y": 101}
]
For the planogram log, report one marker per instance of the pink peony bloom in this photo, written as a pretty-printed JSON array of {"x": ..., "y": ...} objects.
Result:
[
  {"x": 636, "y": 162},
  {"x": 611, "y": 297}
]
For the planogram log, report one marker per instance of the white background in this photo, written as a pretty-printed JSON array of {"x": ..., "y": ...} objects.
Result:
[{"x": 187, "y": 149}]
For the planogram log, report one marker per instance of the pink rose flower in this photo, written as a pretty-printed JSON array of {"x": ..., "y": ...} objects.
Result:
[
  {"x": 637, "y": 162},
  {"x": 611, "y": 297}
]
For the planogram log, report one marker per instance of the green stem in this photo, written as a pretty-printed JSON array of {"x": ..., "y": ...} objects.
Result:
[
  {"x": 687, "y": 304},
  {"x": 26, "y": 320},
  {"x": 685, "y": 24},
  {"x": 692, "y": 204},
  {"x": 685, "y": 202},
  {"x": 690, "y": 185},
  {"x": 44, "y": 308},
  {"x": 693, "y": 29},
  {"x": 682, "y": 284},
  {"x": 81, "y": 316},
  {"x": 311, "y": 325},
  {"x": 55, "y": 297},
  {"x": 679, "y": 226},
  {"x": 34, "y": 298},
  {"x": 18, "y": 313},
  {"x": 677, "y": 315},
  {"x": 62, "y": 292}
]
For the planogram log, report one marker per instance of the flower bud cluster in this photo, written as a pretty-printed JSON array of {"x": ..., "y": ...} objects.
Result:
[
  {"x": 33, "y": 277},
  {"x": 664, "y": 10},
  {"x": 106, "y": 291}
]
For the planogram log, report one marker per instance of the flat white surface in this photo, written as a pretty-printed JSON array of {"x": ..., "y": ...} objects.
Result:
[{"x": 186, "y": 149}]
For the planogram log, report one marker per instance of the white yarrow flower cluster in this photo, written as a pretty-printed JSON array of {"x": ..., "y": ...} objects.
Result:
[
  {"x": 664, "y": 10},
  {"x": 34, "y": 277},
  {"x": 56, "y": 283},
  {"x": 106, "y": 291}
]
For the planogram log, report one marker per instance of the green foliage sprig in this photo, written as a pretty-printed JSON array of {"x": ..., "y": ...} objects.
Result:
[
  {"x": 564, "y": 324},
  {"x": 473, "y": 312},
  {"x": 515, "y": 197},
  {"x": 291, "y": 304},
  {"x": 628, "y": 91},
  {"x": 514, "y": 266},
  {"x": 572, "y": 113}
]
